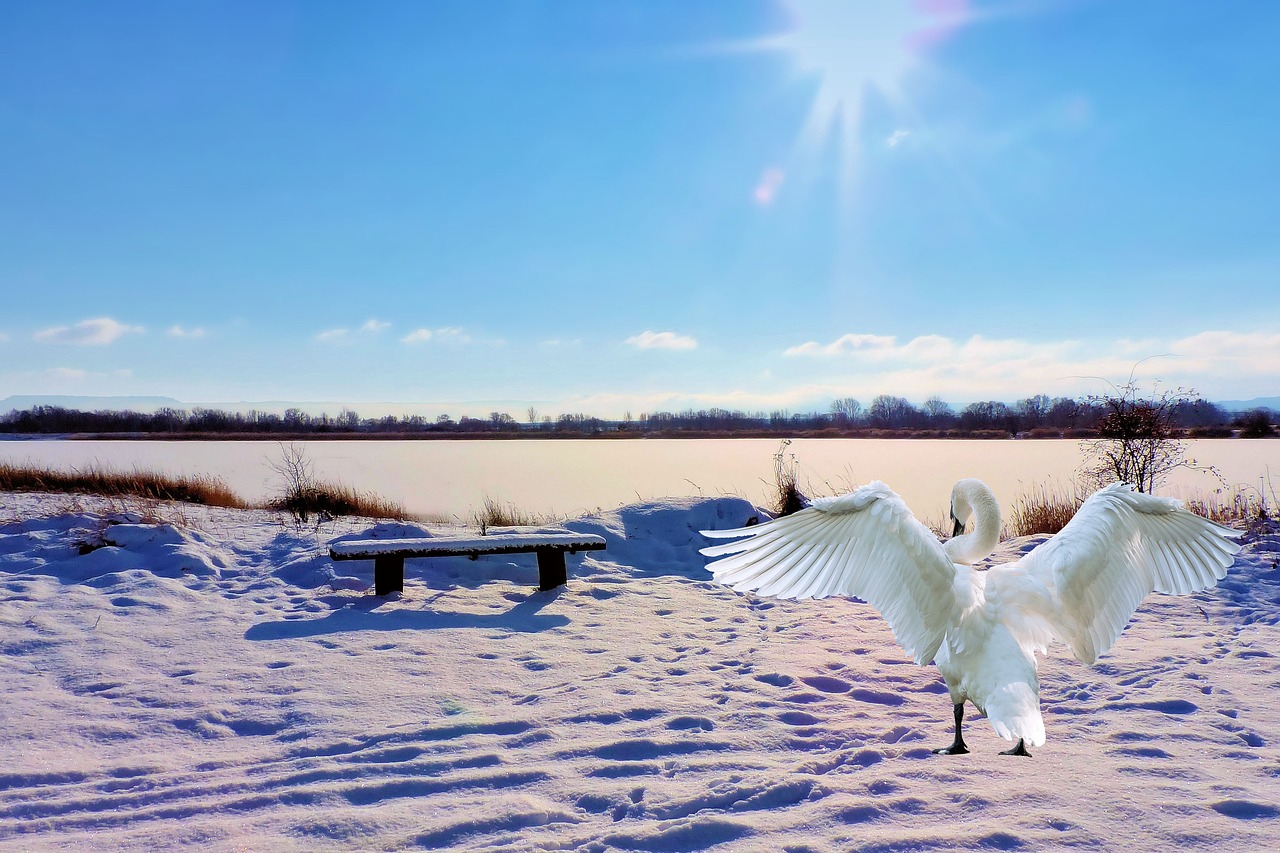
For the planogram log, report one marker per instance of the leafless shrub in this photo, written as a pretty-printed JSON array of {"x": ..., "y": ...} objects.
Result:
[
  {"x": 305, "y": 497},
  {"x": 787, "y": 497}
]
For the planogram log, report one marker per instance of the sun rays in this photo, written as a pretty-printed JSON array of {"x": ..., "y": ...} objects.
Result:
[{"x": 849, "y": 51}]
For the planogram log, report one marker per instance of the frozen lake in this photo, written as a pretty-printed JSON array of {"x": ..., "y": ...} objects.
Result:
[{"x": 566, "y": 477}]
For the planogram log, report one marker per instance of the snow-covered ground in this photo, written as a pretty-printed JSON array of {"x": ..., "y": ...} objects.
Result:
[{"x": 209, "y": 679}]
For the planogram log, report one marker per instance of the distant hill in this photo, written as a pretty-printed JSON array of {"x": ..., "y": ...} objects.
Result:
[
  {"x": 1255, "y": 403},
  {"x": 22, "y": 402}
]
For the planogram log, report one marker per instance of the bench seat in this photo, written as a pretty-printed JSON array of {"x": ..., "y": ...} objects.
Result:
[{"x": 388, "y": 555}]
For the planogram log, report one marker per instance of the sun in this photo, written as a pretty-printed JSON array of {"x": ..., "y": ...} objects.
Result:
[{"x": 855, "y": 47}]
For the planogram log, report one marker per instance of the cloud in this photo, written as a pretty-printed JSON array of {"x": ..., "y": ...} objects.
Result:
[
  {"x": 375, "y": 327},
  {"x": 97, "y": 332},
  {"x": 768, "y": 185},
  {"x": 844, "y": 345},
  {"x": 454, "y": 334},
  {"x": 1005, "y": 368},
  {"x": 661, "y": 340},
  {"x": 69, "y": 376},
  {"x": 333, "y": 335},
  {"x": 898, "y": 137},
  {"x": 446, "y": 334},
  {"x": 180, "y": 332}
]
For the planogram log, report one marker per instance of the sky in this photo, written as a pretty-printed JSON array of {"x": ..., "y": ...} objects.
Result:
[{"x": 638, "y": 205}]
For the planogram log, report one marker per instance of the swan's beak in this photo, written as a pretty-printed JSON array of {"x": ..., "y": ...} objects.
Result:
[{"x": 957, "y": 526}]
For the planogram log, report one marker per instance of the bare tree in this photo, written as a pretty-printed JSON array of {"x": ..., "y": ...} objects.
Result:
[
  {"x": 846, "y": 410},
  {"x": 1139, "y": 441},
  {"x": 938, "y": 411}
]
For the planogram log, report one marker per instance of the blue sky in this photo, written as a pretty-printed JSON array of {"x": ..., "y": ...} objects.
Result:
[{"x": 637, "y": 205}]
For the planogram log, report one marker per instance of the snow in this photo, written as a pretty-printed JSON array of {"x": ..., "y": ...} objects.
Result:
[
  {"x": 358, "y": 547},
  {"x": 177, "y": 677}
]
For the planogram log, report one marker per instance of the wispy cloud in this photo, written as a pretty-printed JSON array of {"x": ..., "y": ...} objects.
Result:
[
  {"x": 661, "y": 340},
  {"x": 183, "y": 332},
  {"x": 767, "y": 187},
  {"x": 369, "y": 327},
  {"x": 898, "y": 137},
  {"x": 97, "y": 332},
  {"x": 446, "y": 334},
  {"x": 62, "y": 377},
  {"x": 453, "y": 334}
]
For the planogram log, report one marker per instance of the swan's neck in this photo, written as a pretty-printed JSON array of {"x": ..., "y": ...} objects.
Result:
[{"x": 970, "y": 548}]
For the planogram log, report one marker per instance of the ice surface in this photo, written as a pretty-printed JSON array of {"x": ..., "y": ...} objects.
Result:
[{"x": 211, "y": 680}]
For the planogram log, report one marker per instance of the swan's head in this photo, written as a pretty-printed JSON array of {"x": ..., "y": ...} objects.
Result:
[{"x": 963, "y": 496}]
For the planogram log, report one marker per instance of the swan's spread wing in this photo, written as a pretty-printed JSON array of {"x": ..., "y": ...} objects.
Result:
[
  {"x": 865, "y": 543},
  {"x": 1120, "y": 546}
]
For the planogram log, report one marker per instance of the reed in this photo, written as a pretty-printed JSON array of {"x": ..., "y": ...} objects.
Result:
[
  {"x": 141, "y": 483},
  {"x": 1044, "y": 510},
  {"x": 330, "y": 500},
  {"x": 494, "y": 513}
]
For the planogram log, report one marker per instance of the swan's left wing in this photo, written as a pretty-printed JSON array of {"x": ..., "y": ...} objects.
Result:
[
  {"x": 866, "y": 544},
  {"x": 1120, "y": 546}
]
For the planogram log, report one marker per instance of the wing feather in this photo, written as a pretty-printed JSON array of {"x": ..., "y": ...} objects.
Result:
[
  {"x": 865, "y": 544},
  {"x": 1121, "y": 546}
]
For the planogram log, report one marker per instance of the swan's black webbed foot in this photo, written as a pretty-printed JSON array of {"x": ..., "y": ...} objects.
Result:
[
  {"x": 1020, "y": 749},
  {"x": 957, "y": 748}
]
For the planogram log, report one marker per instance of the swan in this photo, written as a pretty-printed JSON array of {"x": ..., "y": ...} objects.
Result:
[{"x": 983, "y": 628}]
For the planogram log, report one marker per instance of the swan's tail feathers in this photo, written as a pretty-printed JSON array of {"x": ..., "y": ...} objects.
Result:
[{"x": 1014, "y": 712}]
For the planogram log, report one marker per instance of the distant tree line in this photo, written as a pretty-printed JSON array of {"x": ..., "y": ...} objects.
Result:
[{"x": 885, "y": 415}]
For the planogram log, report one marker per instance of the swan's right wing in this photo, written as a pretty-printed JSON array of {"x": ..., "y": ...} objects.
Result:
[
  {"x": 1120, "y": 546},
  {"x": 866, "y": 544}
]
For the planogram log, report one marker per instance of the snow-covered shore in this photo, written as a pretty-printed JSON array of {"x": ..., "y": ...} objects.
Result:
[{"x": 218, "y": 683}]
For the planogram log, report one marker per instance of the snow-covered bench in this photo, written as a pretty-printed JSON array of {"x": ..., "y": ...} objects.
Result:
[{"x": 388, "y": 555}]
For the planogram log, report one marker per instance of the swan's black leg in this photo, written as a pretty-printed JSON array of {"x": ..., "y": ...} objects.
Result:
[
  {"x": 957, "y": 746},
  {"x": 1020, "y": 749}
]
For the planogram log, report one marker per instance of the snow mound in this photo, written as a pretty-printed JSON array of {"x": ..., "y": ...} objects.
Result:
[
  {"x": 661, "y": 537},
  {"x": 82, "y": 546}
]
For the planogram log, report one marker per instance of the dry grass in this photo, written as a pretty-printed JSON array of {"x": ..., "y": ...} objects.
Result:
[
  {"x": 139, "y": 483},
  {"x": 494, "y": 513},
  {"x": 147, "y": 489},
  {"x": 1046, "y": 510},
  {"x": 1229, "y": 507},
  {"x": 306, "y": 497},
  {"x": 321, "y": 501},
  {"x": 787, "y": 497}
]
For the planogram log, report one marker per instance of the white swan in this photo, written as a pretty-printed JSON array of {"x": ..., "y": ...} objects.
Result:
[{"x": 983, "y": 628}]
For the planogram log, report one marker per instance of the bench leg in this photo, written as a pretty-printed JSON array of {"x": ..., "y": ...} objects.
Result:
[
  {"x": 388, "y": 575},
  {"x": 551, "y": 570}
]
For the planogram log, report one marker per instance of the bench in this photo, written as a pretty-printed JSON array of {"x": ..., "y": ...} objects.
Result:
[{"x": 388, "y": 555}]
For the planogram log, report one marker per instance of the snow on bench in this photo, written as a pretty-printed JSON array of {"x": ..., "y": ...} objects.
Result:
[{"x": 388, "y": 555}]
